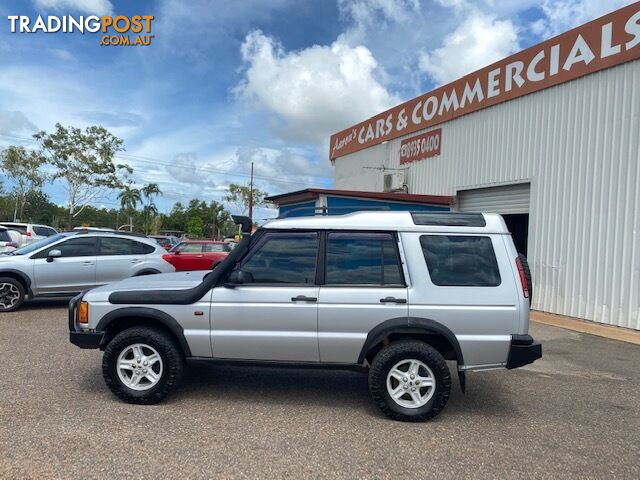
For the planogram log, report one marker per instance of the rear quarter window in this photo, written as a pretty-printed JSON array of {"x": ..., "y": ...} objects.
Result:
[{"x": 461, "y": 260}]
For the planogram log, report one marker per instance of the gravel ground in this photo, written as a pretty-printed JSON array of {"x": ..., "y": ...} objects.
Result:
[{"x": 574, "y": 413}]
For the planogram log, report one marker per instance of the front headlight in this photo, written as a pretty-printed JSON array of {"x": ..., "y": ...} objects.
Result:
[{"x": 83, "y": 312}]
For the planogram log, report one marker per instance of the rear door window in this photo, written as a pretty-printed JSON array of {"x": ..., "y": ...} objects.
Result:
[
  {"x": 190, "y": 248},
  {"x": 123, "y": 246},
  {"x": 362, "y": 259},
  {"x": 461, "y": 260},
  {"x": 4, "y": 236}
]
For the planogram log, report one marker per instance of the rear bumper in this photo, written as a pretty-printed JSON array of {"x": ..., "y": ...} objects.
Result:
[
  {"x": 78, "y": 337},
  {"x": 523, "y": 351}
]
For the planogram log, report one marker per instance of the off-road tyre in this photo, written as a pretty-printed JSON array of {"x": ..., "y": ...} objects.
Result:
[
  {"x": 170, "y": 354},
  {"x": 387, "y": 358}
]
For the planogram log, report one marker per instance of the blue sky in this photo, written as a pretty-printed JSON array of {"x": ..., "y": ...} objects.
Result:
[{"x": 227, "y": 83}]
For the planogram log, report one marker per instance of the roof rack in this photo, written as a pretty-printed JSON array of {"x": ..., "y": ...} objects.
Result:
[
  {"x": 449, "y": 219},
  {"x": 323, "y": 211}
]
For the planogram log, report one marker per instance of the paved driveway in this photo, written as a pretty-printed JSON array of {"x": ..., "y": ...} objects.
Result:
[{"x": 575, "y": 413}]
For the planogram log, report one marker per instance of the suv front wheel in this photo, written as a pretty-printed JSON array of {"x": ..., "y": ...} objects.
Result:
[
  {"x": 410, "y": 381},
  {"x": 142, "y": 365}
]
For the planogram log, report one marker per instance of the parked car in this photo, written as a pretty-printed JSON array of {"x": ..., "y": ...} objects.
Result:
[
  {"x": 166, "y": 242},
  {"x": 71, "y": 262},
  {"x": 197, "y": 254},
  {"x": 30, "y": 232},
  {"x": 396, "y": 292},
  {"x": 9, "y": 240}
]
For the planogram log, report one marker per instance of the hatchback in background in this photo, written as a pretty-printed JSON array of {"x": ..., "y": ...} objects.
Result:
[
  {"x": 197, "y": 254},
  {"x": 9, "y": 240},
  {"x": 166, "y": 242},
  {"x": 30, "y": 232}
]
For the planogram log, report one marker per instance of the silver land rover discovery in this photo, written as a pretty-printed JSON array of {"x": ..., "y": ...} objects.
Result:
[{"x": 398, "y": 293}]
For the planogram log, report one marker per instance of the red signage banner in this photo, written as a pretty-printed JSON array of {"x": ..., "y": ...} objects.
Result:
[
  {"x": 599, "y": 44},
  {"x": 420, "y": 147}
]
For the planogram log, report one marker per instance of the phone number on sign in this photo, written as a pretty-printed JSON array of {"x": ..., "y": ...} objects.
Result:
[{"x": 423, "y": 146}]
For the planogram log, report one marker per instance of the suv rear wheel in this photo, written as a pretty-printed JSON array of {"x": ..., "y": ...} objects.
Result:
[
  {"x": 142, "y": 365},
  {"x": 410, "y": 381},
  {"x": 11, "y": 294}
]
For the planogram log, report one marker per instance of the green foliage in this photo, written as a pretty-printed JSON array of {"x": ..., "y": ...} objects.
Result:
[
  {"x": 84, "y": 160},
  {"x": 23, "y": 168},
  {"x": 195, "y": 227},
  {"x": 239, "y": 196}
]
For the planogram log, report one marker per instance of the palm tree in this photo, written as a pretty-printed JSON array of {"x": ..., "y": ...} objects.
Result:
[
  {"x": 129, "y": 200},
  {"x": 149, "y": 191}
]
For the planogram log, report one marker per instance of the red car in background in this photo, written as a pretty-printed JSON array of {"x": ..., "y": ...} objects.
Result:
[{"x": 197, "y": 254}]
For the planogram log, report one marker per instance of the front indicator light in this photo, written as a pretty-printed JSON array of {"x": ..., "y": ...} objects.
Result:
[{"x": 83, "y": 312}]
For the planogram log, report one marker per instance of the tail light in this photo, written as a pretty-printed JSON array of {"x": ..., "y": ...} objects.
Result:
[
  {"x": 28, "y": 233},
  {"x": 523, "y": 278},
  {"x": 167, "y": 257}
]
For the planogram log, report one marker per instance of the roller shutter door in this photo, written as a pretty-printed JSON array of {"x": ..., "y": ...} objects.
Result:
[{"x": 505, "y": 199}]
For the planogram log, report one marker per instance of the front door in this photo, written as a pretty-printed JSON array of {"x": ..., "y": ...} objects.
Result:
[
  {"x": 74, "y": 271},
  {"x": 363, "y": 286},
  {"x": 273, "y": 315}
]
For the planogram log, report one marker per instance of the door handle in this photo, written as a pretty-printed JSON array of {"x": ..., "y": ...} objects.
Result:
[
  {"x": 302, "y": 298},
  {"x": 136, "y": 260},
  {"x": 87, "y": 263},
  {"x": 393, "y": 300}
]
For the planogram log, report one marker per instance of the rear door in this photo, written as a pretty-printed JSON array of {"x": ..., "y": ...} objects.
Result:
[
  {"x": 212, "y": 254},
  {"x": 469, "y": 287},
  {"x": 73, "y": 272},
  {"x": 363, "y": 286},
  {"x": 274, "y": 316},
  {"x": 190, "y": 257},
  {"x": 119, "y": 258}
]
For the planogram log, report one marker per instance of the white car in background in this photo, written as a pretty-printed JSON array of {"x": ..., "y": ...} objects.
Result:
[
  {"x": 30, "y": 232},
  {"x": 9, "y": 240}
]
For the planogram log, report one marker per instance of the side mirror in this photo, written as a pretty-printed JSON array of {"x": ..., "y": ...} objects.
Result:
[
  {"x": 238, "y": 277},
  {"x": 55, "y": 253},
  {"x": 176, "y": 252}
]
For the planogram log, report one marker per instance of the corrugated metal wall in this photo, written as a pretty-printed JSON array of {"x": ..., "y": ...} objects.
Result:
[
  {"x": 578, "y": 145},
  {"x": 505, "y": 199}
]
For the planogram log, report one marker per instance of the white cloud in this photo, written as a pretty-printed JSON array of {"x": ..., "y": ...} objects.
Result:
[
  {"x": 15, "y": 122},
  {"x": 95, "y": 7},
  {"x": 563, "y": 15},
  {"x": 478, "y": 41},
  {"x": 313, "y": 92}
]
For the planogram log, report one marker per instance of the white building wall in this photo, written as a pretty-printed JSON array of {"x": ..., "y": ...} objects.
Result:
[{"x": 578, "y": 145}]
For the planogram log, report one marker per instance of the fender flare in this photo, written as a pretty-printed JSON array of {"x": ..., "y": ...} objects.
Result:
[
  {"x": 413, "y": 325},
  {"x": 151, "y": 314},
  {"x": 147, "y": 271},
  {"x": 24, "y": 277}
]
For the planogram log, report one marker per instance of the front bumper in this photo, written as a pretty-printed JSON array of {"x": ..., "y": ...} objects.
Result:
[
  {"x": 77, "y": 336},
  {"x": 523, "y": 351}
]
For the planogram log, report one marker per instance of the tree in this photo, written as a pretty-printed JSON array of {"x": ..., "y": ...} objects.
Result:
[
  {"x": 149, "y": 191},
  {"x": 23, "y": 168},
  {"x": 239, "y": 196},
  {"x": 129, "y": 200},
  {"x": 84, "y": 159},
  {"x": 195, "y": 227}
]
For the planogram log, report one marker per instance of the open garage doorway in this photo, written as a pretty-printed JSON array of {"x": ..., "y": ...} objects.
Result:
[{"x": 511, "y": 201}]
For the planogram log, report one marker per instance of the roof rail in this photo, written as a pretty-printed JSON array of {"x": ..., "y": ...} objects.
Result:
[
  {"x": 85, "y": 231},
  {"x": 323, "y": 211}
]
